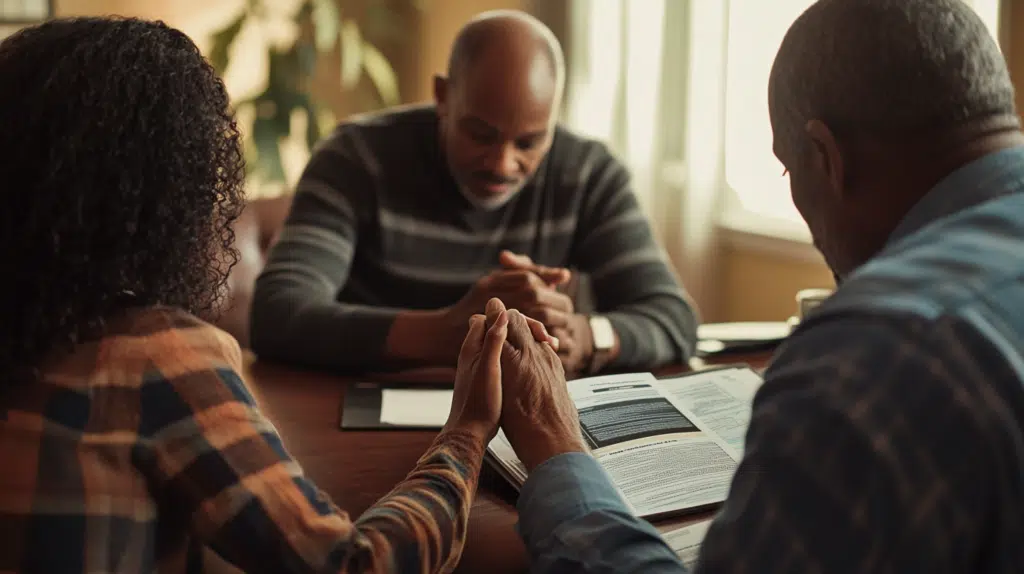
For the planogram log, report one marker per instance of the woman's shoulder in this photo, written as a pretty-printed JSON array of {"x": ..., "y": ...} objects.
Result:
[{"x": 171, "y": 340}]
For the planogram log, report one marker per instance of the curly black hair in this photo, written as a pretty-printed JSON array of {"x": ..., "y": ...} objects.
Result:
[{"x": 121, "y": 172}]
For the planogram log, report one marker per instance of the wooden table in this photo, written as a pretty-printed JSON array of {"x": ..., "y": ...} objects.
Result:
[{"x": 357, "y": 468}]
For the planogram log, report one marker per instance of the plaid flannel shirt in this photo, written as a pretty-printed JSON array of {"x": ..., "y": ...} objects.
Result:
[
  {"x": 137, "y": 445},
  {"x": 888, "y": 437}
]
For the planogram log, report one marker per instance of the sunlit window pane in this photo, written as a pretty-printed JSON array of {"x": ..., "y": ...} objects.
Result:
[
  {"x": 988, "y": 10},
  {"x": 594, "y": 77},
  {"x": 756, "y": 29}
]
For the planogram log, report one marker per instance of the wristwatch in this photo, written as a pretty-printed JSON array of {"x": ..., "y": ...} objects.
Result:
[{"x": 603, "y": 336}]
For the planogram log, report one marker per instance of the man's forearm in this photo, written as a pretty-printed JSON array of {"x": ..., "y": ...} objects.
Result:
[
  {"x": 342, "y": 336},
  {"x": 290, "y": 325},
  {"x": 633, "y": 284},
  {"x": 423, "y": 337},
  {"x": 572, "y": 519},
  {"x": 654, "y": 333}
]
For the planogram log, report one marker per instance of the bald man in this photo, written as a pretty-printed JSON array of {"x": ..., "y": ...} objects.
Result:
[
  {"x": 889, "y": 434},
  {"x": 405, "y": 223}
]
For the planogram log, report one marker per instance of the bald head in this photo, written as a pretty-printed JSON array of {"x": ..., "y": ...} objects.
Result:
[
  {"x": 889, "y": 65},
  {"x": 872, "y": 103},
  {"x": 498, "y": 105},
  {"x": 516, "y": 41}
]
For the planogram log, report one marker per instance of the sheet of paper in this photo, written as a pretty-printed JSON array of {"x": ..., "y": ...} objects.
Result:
[
  {"x": 415, "y": 407},
  {"x": 506, "y": 455},
  {"x": 686, "y": 541},
  {"x": 743, "y": 331},
  {"x": 720, "y": 400}
]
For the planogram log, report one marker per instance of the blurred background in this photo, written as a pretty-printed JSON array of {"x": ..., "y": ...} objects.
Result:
[{"x": 676, "y": 87}]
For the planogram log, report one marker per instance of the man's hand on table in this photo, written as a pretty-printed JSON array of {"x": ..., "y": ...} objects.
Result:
[
  {"x": 531, "y": 291},
  {"x": 577, "y": 345},
  {"x": 537, "y": 413},
  {"x": 571, "y": 328},
  {"x": 477, "y": 400}
]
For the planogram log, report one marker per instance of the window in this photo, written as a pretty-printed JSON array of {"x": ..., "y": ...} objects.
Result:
[
  {"x": 14, "y": 14},
  {"x": 755, "y": 31},
  {"x": 614, "y": 79}
]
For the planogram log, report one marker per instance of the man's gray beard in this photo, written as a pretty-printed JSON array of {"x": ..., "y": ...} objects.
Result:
[{"x": 486, "y": 204}]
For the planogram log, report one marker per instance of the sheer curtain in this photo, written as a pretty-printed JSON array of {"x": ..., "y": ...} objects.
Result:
[
  {"x": 614, "y": 78},
  {"x": 645, "y": 81}
]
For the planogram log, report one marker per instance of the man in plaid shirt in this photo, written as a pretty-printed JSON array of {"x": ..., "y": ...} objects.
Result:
[{"x": 887, "y": 437}]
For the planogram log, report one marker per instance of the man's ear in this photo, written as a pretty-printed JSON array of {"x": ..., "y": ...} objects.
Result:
[
  {"x": 440, "y": 93},
  {"x": 827, "y": 155}
]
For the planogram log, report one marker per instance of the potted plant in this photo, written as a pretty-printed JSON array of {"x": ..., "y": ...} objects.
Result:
[{"x": 315, "y": 31}]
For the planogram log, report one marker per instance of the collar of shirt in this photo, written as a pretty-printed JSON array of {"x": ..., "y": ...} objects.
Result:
[{"x": 991, "y": 176}]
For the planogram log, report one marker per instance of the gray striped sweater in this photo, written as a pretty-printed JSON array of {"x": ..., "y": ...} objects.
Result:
[{"x": 378, "y": 226}]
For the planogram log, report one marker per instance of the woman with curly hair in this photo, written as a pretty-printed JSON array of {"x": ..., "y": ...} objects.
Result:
[{"x": 126, "y": 431}]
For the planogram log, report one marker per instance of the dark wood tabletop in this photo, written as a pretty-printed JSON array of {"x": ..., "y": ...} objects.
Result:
[{"x": 357, "y": 468}]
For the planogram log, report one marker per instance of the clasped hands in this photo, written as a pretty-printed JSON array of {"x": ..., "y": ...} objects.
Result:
[
  {"x": 532, "y": 290},
  {"x": 509, "y": 373}
]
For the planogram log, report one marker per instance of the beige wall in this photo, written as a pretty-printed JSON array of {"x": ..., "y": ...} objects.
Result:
[
  {"x": 439, "y": 25},
  {"x": 761, "y": 285},
  {"x": 197, "y": 18},
  {"x": 1013, "y": 40}
]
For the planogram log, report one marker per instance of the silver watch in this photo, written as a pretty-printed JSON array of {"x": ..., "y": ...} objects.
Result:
[{"x": 602, "y": 333}]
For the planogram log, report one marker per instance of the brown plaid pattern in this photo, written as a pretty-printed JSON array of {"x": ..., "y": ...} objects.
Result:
[{"x": 139, "y": 444}]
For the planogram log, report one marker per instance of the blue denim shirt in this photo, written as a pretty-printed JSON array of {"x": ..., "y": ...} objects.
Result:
[{"x": 887, "y": 437}]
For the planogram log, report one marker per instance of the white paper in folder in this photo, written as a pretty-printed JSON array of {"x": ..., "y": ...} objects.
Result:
[{"x": 415, "y": 407}]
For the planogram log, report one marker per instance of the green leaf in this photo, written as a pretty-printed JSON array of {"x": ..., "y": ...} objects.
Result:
[
  {"x": 248, "y": 145},
  {"x": 305, "y": 55},
  {"x": 312, "y": 123},
  {"x": 268, "y": 150},
  {"x": 286, "y": 71},
  {"x": 222, "y": 41},
  {"x": 326, "y": 20},
  {"x": 305, "y": 11},
  {"x": 274, "y": 110},
  {"x": 381, "y": 74},
  {"x": 352, "y": 49}
]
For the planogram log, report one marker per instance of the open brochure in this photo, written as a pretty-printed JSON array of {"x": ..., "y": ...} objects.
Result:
[{"x": 671, "y": 445}]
